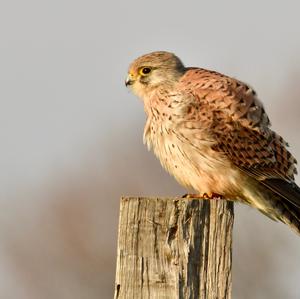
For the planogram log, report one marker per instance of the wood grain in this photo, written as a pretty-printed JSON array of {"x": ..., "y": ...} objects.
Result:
[{"x": 172, "y": 248}]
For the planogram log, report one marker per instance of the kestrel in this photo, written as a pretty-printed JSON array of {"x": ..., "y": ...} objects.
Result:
[{"x": 213, "y": 135}]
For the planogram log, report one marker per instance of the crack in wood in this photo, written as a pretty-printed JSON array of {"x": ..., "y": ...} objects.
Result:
[{"x": 174, "y": 248}]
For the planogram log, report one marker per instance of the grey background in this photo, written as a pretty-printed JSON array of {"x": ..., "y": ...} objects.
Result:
[{"x": 71, "y": 134}]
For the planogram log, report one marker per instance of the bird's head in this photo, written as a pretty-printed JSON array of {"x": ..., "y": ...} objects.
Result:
[{"x": 150, "y": 71}]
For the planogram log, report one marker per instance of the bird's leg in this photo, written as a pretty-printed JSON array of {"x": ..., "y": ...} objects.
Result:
[{"x": 210, "y": 195}]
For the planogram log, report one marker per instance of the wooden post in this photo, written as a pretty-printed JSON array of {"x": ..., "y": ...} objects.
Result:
[{"x": 171, "y": 248}]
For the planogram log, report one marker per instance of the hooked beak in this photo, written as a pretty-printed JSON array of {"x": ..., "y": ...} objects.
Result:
[{"x": 129, "y": 80}]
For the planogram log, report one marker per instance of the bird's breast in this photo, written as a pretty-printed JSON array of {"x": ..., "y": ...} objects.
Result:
[{"x": 187, "y": 154}]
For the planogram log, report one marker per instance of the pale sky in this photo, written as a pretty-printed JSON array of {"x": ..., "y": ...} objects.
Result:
[{"x": 67, "y": 119}]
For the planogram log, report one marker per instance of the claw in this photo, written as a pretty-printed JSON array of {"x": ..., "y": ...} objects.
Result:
[
  {"x": 211, "y": 195},
  {"x": 190, "y": 196}
]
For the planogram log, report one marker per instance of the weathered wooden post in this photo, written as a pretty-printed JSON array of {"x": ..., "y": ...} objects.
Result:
[{"x": 171, "y": 248}]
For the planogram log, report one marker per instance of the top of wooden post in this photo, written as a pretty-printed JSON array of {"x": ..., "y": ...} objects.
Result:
[{"x": 174, "y": 248}]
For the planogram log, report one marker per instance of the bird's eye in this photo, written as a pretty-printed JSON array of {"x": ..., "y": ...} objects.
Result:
[{"x": 145, "y": 71}]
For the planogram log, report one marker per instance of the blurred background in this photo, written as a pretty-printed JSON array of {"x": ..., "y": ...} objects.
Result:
[{"x": 71, "y": 134}]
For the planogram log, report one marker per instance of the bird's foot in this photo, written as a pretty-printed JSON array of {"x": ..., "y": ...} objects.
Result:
[
  {"x": 210, "y": 195},
  {"x": 191, "y": 196}
]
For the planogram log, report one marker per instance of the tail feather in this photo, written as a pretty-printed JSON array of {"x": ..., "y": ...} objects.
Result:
[
  {"x": 288, "y": 190},
  {"x": 290, "y": 215},
  {"x": 286, "y": 201}
]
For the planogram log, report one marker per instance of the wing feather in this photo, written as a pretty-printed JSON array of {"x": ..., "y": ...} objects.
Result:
[{"x": 241, "y": 128}]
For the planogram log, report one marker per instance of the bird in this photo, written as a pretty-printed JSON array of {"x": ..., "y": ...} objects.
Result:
[{"x": 212, "y": 133}]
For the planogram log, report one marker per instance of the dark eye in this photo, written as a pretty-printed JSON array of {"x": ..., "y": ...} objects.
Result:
[{"x": 145, "y": 70}]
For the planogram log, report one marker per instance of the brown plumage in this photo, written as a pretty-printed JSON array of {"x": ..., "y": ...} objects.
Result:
[{"x": 213, "y": 135}]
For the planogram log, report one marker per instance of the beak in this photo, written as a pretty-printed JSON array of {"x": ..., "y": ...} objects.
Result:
[{"x": 129, "y": 80}]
